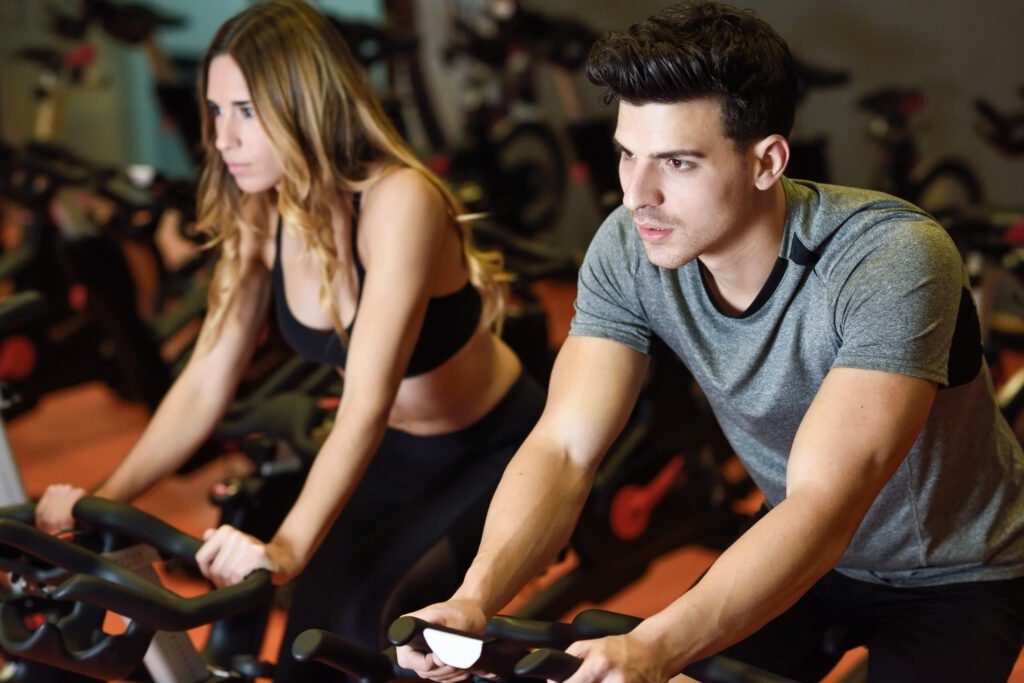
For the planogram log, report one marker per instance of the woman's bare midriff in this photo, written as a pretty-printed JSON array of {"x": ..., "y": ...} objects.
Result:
[{"x": 459, "y": 392}]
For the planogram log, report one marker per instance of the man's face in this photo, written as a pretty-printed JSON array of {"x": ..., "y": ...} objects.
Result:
[{"x": 687, "y": 187}]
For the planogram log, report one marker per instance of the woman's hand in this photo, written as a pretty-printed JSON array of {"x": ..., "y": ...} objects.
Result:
[
  {"x": 229, "y": 555},
  {"x": 53, "y": 511}
]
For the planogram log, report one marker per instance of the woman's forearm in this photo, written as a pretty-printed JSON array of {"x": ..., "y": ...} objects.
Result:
[
  {"x": 333, "y": 477},
  {"x": 182, "y": 422}
]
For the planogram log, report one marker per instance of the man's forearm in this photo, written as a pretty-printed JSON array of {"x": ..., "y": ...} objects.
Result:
[
  {"x": 760, "y": 576},
  {"x": 532, "y": 515}
]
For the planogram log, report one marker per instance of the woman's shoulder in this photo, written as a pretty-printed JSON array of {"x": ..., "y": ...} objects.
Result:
[
  {"x": 401, "y": 197},
  {"x": 403, "y": 188}
]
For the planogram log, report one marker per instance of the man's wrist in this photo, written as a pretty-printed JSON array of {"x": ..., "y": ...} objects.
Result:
[{"x": 672, "y": 645}]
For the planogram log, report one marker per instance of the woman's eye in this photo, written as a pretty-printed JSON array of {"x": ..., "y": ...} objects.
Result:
[{"x": 248, "y": 112}]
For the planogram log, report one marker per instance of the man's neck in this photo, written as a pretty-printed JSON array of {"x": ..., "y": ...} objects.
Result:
[{"x": 735, "y": 278}]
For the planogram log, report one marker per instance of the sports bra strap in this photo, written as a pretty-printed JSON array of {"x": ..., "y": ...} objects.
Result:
[{"x": 360, "y": 271}]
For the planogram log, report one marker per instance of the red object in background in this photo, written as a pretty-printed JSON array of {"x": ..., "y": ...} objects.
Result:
[
  {"x": 1014, "y": 234},
  {"x": 439, "y": 164},
  {"x": 631, "y": 508},
  {"x": 81, "y": 57},
  {"x": 33, "y": 621},
  {"x": 579, "y": 173},
  {"x": 78, "y": 297},
  {"x": 17, "y": 357}
]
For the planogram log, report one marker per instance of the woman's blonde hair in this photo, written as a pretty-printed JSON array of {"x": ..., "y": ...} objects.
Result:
[{"x": 332, "y": 138}]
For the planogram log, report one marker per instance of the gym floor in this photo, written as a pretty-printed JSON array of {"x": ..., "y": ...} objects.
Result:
[{"x": 79, "y": 435}]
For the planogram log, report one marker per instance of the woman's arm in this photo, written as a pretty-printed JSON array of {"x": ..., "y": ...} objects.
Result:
[
  {"x": 187, "y": 414},
  {"x": 404, "y": 229}
]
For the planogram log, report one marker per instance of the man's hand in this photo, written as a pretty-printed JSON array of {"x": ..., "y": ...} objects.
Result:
[
  {"x": 463, "y": 615},
  {"x": 53, "y": 511},
  {"x": 626, "y": 659},
  {"x": 229, "y": 555}
]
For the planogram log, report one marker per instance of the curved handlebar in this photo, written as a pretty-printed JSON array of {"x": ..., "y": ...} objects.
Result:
[
  {"x": 130, "y": 523},
  {"x": 76, "y": 642},
  {"x": 102, "y": 583}
]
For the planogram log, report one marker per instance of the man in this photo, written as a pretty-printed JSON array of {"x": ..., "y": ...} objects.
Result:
[{"x": 833, "y": 332}]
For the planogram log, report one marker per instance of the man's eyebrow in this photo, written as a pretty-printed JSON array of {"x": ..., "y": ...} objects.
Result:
[
  {"x": 668, "y": 154},
  {"x": 675, "y": 153}
]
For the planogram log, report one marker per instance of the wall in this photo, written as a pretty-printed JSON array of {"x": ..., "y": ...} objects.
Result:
[
  {"x": 119, "y": 121},
  {"x": 954, "y": 51}
]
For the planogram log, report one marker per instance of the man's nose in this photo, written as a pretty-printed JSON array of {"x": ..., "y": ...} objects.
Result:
[{"x": 640, "y": 187}]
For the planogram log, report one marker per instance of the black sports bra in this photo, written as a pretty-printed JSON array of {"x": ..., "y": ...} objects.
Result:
[{"x": 449, "y": 322}]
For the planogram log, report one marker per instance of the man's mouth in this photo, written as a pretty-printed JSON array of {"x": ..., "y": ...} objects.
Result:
[{"x": 652, "y": 234}]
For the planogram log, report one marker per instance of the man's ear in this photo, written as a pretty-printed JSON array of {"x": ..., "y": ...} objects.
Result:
[{"x": 770, "y": 157}]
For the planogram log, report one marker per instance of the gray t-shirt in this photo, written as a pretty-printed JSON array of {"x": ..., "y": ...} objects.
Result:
[{"x": 863, "y": 280}]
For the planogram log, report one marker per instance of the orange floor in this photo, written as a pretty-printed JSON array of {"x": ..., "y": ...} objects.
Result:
[{"x": 78, "y": 435}]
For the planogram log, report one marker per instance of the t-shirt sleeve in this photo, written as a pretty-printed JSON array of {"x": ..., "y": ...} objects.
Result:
[
  {"x": 897, "y": 298},
  {"x": 607, "y": 305}
]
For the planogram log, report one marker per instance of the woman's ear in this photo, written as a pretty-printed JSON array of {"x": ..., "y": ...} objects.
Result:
[{"x": 770, "y": 158}]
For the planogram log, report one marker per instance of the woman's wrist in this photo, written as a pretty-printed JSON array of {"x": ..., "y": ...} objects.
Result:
[{"x": 286, "y": 563}]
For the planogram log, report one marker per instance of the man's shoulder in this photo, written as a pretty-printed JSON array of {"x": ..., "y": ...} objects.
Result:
[{"x": 830, "y": 220}]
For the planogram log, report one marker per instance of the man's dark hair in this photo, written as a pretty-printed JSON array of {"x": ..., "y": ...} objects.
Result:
[{"x": 701, "y": 49}]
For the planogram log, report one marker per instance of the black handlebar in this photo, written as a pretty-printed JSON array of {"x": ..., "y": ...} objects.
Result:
[
  {"x": 362, "y": 663},
  {"x": 97, "y": 584},
  {"x": 508, "y": 639},
  {"x": 548, "y": 664},
  {"x": 554, "y": 664}
]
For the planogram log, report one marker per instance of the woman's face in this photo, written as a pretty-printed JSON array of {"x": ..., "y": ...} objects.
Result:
[{"x": 241, "y": 140}]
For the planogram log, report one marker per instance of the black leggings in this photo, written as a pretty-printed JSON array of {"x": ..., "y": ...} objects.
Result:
[
  {"x": 957, "y": 632},
  {"x": 408, "y": 534}
]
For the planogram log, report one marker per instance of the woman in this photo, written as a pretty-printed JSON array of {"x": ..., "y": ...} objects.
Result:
[{"x": 313, "y": 196}]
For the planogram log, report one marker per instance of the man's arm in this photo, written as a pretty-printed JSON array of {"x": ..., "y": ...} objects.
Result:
[
  {"x": 854, "y": 436},
  {"x": 593, "y": 387}
]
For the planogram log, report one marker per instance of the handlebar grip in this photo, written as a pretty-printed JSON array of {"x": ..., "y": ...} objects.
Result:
[
  {"x": 549, "y": 664},
  {"x": 408, "y": 631},
  {"x": 369, "y": 666},
  {"x": 531, "y": 631},
  {"x": 23, "y": 512},
  {"x": 129, "y": 522},
  {"x": 598, "y": 623}
]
